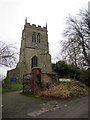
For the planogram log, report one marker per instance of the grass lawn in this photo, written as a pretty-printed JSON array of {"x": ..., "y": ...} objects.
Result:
[{"x": 12, "y": 87}]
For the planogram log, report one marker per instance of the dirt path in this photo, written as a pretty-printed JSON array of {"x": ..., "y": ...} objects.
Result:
[{"x": 16, "y": 105}]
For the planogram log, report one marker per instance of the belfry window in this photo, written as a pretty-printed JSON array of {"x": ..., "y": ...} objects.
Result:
[
  {"x": 34, "y": 61},
  {"x": 34, "y": 37},
  {"x": 38, "y": 37}
]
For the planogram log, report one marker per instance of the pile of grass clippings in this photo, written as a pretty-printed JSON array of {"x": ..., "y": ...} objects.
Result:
[{"x": 65, "y": 90}]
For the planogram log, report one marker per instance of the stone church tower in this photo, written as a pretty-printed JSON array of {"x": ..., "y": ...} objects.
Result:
[{"x": 34, "y": 52}]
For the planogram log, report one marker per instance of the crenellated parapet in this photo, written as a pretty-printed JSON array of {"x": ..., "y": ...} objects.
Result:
[{"x": 33, "y": 26}]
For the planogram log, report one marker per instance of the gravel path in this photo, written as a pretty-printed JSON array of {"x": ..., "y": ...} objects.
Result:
[{"x": 16, "y": 105}]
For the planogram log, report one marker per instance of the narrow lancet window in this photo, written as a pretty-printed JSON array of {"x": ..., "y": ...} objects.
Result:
[
  {"x": 34, "y": 37},
  {"x": 38, "y": 37}
]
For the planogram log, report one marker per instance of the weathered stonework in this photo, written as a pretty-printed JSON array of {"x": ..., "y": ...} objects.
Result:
[{"x": 34, "y": 52}]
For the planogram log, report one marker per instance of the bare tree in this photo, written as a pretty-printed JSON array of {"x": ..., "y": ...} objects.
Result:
[
  {"x": 76, "y": 45},
  {"x": 7, "y": 54}
]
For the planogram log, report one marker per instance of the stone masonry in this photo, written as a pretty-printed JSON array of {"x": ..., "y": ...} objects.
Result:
[{"x": 34, "y": 52}]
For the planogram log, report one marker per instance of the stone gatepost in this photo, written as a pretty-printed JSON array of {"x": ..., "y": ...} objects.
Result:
[{"x": 36, "y": 80}]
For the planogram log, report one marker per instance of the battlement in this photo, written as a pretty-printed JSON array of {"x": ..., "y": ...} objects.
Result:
[{"x": 33, "y": 26}]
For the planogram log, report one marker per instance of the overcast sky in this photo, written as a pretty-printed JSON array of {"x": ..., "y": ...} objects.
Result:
[{"x": 39, "y": 12}]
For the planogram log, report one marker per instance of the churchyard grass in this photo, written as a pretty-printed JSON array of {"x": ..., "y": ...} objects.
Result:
[{"x": 12, "y": 87}]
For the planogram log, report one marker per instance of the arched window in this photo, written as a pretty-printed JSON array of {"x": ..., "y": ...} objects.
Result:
[
  {"x": 34, "y": 61},
  {"x": 38, "y": 37},
  {"x": 34, "y": 37}
]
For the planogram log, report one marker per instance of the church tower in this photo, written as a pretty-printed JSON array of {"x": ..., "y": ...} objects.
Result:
[
  {"x": 34, "y": 51},
  {"x": 34, "y": 54}
]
